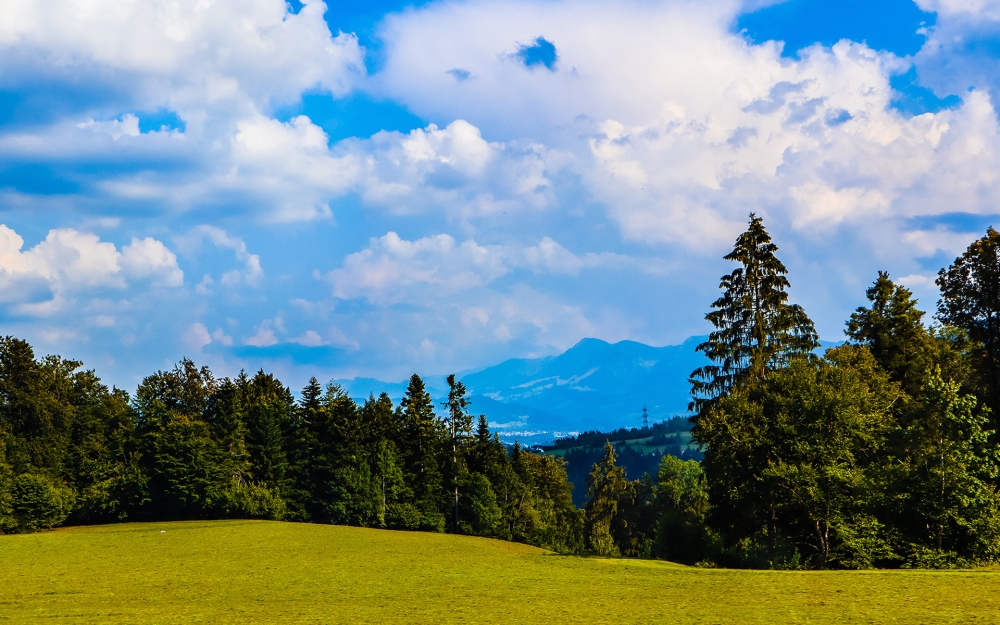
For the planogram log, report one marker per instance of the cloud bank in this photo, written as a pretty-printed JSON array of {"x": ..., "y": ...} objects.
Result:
[{"x": 578, "y": 170}]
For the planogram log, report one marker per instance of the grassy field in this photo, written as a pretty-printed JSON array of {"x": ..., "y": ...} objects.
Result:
[{"x": 264, "y": 572}]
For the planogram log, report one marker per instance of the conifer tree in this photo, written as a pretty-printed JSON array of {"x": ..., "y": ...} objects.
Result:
[
  {"x": 606, "y": 486},
  {"x": 757, "y": 330},
  {"x": 422, "y": 438},
  {"x": 893, "y": 331},
  {"x": 459, "y": 423},
  {"x": 269, "y": 409}
]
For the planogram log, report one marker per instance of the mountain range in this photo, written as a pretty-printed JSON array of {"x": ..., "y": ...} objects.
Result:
[{"x": 593, "y": 385}]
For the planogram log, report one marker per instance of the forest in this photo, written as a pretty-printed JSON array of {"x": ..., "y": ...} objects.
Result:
[{"x": 880, "y": 452}]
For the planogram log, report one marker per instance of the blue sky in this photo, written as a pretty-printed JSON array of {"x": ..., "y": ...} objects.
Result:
[{"x": 378, "y": 188}]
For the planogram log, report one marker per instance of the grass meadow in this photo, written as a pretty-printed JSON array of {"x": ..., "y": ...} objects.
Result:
[{"x": 267, "y": 572}]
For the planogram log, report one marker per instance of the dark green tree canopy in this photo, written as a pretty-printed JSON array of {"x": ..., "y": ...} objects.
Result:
[
  {"x": 893, "y": 330},
  {"x": 970, "y": 300}
]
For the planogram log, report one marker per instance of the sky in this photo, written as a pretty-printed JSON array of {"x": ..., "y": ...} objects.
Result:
[{"x": 381, "y": 188}]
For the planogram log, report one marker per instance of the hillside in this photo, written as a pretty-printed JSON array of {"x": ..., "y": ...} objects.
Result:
[
  {"x": 265, "y": 572},
  {"x": 592, "y": 385}
]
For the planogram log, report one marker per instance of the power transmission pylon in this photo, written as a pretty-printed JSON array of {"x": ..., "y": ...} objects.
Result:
[{"x": 645, "y": 418}]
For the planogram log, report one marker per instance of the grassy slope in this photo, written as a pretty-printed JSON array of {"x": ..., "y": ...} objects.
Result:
[{"x": 261, "y": 572}]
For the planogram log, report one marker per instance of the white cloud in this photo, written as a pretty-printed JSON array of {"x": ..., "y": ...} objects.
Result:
[
  {"x": 128, "y": 125},
  {"x": 679, "y": 127},
  {"x": 291, "y": 164},
  {"x": 220, "y": 336},
  {"x": 392, "y": 269},
  {"x": 551, "y": 257},
  {"x": 69, "y": 262},
  {"x": 309, "y": 338},
  {"x": 979, "y": 9},
  {"x": 196, "y": 337},
  {"x": 454, "y": 170},
  {"x": 385, "y": 271},
  {"x": 929, "y": 242},
  {"x": 252, "y": 272},
  {"x": 193, "y": 57},
  {"x": 149, "y": 258},
  {"x": 264, "y": 337}
]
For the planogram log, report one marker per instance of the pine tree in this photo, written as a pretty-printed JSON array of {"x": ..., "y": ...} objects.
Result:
[
  {"x": 893, "y": 331},
  {"x": 606, "y": 486},
  {"x": 757, "y": 330},
  {"x": 269, "y": 410},
  {"x": 422, "y": 438},
  {"x": 459, "y": 423}
]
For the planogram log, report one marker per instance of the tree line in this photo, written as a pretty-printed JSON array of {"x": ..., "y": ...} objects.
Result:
[
  {"x": 190, "y": 446},
  {"x": 881, "y": 452}
]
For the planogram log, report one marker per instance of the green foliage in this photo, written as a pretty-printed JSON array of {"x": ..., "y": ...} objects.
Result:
[
  {"x": 423, "y": 438},
  {"x": 970, "y": 300},
  {"x": 190, "y": 446},
  {"x": 950, "y": 495},
  {"x": 39, "y": 502},
  {"x": 479, "y": 512},
  {"x": 7, "y": 521},
  {"x": 606, "y": 487},
  {"x": 788, "y": 456},
  {"x": 893, "y": 331},
  {"x": 756, "y": 329},
  {"x": 540, "y": 502},
  {"x": 253, "y": 501},
  {"x": 682, "y": 534}
]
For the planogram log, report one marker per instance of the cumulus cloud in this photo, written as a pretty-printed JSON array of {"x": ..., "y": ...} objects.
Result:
[
  {"x": 191, "y": 57},
  {"x": 680, "y": 127},
  {"x": 392, "y": 269},
  {"x": 390, "y": 266},
  {"x": 149, "y": 258},
  {"x": 221, "y": 70},
  {"x": 309, "y": 338},
  {"x": 196, "y": 337},
  {"x": 979, "y": 9},
  {"x": 455, "y": 170},
  {"x": 264, "y": 336},
  {"x": 69, "y": 262}
]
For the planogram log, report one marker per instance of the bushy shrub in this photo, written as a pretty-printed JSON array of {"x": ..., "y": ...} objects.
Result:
[
  {"x": 403, "y": 516},
  {"x": 40, "y": 503},
  {"x": 254, "y": 501}
]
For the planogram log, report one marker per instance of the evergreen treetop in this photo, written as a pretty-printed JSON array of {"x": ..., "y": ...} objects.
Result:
[{"x": 757, "y": 330}]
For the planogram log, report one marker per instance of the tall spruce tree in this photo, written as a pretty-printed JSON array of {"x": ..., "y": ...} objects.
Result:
[
  {"x": 459, "y": 423},
  {"x": 606, "y": 486},
  {"x": 757, "y": 330},
  {"x": 422, "y": 441}
]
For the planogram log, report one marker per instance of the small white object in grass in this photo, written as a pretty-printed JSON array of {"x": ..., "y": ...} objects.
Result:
[{"x": 163, "y": 531}]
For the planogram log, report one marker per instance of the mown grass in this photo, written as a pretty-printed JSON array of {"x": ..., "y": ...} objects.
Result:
[{"x": 265, "y": 572}]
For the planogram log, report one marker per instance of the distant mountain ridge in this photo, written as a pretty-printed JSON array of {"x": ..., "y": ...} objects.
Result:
[{"x": 592, "y": 385}]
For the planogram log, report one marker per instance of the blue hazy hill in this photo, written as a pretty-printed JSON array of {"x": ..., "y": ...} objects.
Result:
[{"x": 592, "y": 385}]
